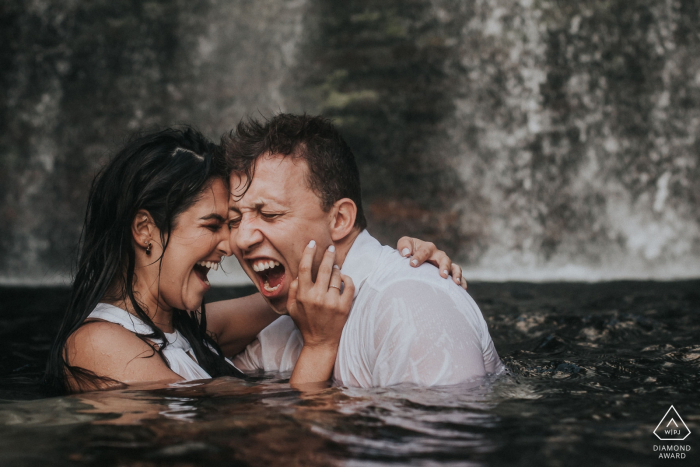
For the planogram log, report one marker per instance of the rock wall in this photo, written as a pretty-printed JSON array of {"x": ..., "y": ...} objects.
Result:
[{"x": 531, "y": 139}]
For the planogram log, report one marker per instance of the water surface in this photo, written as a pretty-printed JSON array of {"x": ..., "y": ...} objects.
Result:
[{"x": 593, "y": 368}]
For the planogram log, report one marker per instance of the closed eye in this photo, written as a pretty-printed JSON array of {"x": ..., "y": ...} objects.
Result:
[
  {"x": 215, "y": 222},
  {"x": 214, "y": 227},
  {"x": 270, "y": 215}
]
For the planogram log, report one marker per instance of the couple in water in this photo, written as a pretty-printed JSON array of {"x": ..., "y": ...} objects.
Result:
[{"x": 283, "y": 196}]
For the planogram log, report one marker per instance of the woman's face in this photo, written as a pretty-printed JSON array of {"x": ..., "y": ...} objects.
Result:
[{"x": 197, "y": 243}]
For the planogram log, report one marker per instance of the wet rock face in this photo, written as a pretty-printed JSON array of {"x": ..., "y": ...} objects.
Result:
[
  {"x": 525, "y": 137},
  {"x": 79, "y": 77}
]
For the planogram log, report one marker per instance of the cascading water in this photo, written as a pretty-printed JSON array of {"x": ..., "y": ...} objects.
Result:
[{"x": 531, "y": 139}]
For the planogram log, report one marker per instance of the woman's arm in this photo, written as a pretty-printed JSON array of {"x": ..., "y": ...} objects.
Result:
[
  {"x": 236, "y": 322},
  {"x": 110, "y": 351}
]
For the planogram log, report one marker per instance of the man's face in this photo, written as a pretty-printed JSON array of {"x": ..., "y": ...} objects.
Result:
[{"x": 273, "y": 222}]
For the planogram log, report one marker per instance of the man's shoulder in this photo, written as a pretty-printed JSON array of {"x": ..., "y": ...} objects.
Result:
[{"x": 395, "y": 271}]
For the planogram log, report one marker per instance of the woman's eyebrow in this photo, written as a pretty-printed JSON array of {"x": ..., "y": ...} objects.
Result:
[{"x": 213, "y": 216}]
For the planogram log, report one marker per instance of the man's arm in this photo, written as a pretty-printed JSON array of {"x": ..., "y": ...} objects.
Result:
[{"x": 236, "y": 322}]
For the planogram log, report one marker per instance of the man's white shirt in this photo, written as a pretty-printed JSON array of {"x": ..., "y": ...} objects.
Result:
[{"x": 407, "y": 325}]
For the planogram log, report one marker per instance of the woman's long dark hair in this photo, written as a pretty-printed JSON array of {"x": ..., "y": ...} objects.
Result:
[{"x": 163, "y": 173}]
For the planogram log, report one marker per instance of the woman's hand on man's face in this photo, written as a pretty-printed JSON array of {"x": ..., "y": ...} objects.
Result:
[
  {"x": 319, "y": 309},
  {"x": 427, "y": 251}
]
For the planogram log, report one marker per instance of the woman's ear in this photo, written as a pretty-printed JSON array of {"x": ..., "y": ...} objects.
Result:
[
  {"x": 143, "y": 229},
  {"x": 343, "y": 220}
]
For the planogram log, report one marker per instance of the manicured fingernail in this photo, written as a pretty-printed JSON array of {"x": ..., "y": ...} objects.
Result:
[
  {"x": 445, "y": 273},
  {"x": 331, "y": 248},
  {"x": 312, "y": 244},
  {"x": 414, "y": 262},
  {"x": 335, "y": 266},
  {"x": 405, "y": 252}
]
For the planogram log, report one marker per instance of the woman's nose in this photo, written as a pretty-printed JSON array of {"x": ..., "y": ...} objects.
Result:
[{"x": 224, "y": 245}]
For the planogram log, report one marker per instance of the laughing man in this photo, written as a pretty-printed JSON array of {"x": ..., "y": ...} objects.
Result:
[{"x": 294, "y": 180}]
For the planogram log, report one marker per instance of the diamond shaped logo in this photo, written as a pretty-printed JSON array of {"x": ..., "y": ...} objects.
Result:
[{"x": 672, "y": 427}]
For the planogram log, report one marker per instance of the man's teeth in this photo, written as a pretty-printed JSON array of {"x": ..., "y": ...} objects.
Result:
[
  {"x": 264, "y": 264},
  {"x": 209, "y": 264},
  {"x": 270, "y": 289}
]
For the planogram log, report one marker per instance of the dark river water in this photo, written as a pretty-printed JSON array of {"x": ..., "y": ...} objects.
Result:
[{"x": 593, "y": 369}]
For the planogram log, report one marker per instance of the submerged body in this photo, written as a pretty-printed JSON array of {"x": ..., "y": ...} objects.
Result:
[{"x": 407, "y": 325}]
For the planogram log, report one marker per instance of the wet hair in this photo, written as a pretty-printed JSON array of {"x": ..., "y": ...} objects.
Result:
[
  {"x": 333, "y": 173},
  {"x": 163, "y": 173}
]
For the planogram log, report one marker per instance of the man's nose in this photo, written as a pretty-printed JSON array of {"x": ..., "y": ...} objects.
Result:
[{"x": 247, "y": 234}]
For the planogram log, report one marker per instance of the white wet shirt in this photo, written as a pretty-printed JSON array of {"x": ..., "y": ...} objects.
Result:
[
  {"x": 407, "y": 325},
  {"x": 177, "y": 351}
]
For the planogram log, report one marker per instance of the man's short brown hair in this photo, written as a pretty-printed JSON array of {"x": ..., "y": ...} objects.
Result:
[{"x": 333, "y": 173}]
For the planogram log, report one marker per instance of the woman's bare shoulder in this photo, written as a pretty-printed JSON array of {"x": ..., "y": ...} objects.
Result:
[{"x": 109, "y": 350}]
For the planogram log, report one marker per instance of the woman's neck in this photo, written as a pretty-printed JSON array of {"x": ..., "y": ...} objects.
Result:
[{"x": 159, "y": 313}]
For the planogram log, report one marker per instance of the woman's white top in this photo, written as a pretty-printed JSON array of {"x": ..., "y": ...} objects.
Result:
[{"x": 178, "y": 351}]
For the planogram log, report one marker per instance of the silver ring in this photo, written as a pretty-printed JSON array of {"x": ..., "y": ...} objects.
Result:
[{"x": 334, "y": 286}]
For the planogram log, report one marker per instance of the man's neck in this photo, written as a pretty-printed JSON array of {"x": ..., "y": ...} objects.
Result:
[{"x": 343, "y": 246}]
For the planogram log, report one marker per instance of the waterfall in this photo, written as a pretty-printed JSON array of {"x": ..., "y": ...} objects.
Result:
[{"x": 531, "y": 139}]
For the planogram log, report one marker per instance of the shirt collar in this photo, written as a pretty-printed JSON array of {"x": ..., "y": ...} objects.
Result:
[{"x": 361, "y": 259}]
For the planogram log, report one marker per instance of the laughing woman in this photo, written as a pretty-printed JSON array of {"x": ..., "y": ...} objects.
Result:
[{"x": 156, "y": 223}]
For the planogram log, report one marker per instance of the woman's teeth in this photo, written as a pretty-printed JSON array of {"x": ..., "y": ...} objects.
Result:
[
  {"x": 270, "y": 289},
  {"x": 262, "y": 265},
  {"x": 209, "y": 265}
]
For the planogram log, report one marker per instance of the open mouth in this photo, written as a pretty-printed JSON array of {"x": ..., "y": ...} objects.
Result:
[
  {"x": 202, "y": 268},
  {"x": 270, "y": 273}
]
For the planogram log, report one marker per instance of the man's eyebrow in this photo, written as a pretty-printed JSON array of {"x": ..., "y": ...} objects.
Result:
[
  {"x": 256, "y": 206},
  {"x": 213, "y": 216}
]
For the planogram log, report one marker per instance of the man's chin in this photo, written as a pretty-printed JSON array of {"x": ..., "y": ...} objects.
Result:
[
  {"x": 278, "y": 304},
  {"x": 276, "y": 298}
]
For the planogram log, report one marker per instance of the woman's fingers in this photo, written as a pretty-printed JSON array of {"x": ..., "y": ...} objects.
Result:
[
  {"x": 457, "y": 274},
  {"x": 405, "y": 246},
  {"x": 427, "y": 251},
  {"x": 336, "y": 280},
  {"x": 321, "y": 315},
  {"x": 306, "y": 263},
  {"x": 325, "y": 270},
  {"x": 444, "y": 263},
  {"x": 348, "y": 293},
  {"x": 423, "y": 251},
  {"x": 292, "y": 298}
]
